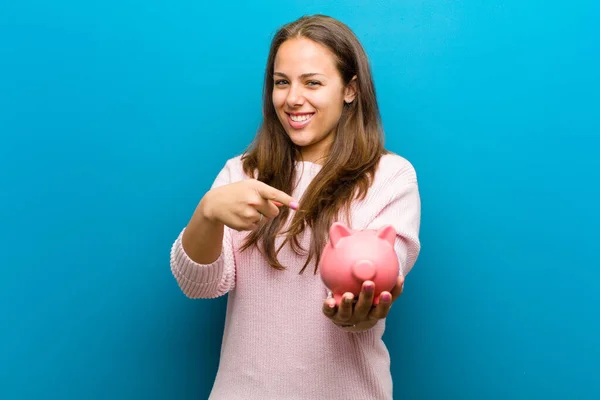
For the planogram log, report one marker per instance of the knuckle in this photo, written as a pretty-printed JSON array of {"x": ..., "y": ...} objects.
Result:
[
  {"x": 362, "y": 310},
  {"x": 345, "y": 316},
  {"x": 254, "y": 198},
  {"x": 254, "y": 201},
  {"x": 248, "y": 213}
]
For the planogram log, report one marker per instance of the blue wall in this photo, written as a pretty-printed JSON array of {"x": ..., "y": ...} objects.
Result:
[{"x": 116, "y": 116}]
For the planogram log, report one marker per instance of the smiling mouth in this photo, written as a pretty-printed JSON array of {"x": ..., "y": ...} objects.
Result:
[
  {"x": 298, "y": 121},
  {"x": 300, "y": 118}
]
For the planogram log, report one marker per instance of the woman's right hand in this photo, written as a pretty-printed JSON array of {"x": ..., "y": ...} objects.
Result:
[{"x": 239, "y": 205}]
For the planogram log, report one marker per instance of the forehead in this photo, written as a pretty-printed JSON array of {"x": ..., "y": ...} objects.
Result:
[{"x": 300, "y": 55}]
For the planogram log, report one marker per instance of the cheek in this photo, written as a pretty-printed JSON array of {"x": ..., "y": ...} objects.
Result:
[
  {"x": 329, "y": 99},
  {"x": 329, "y": 104},
  {"x": 278, "y": 98}
]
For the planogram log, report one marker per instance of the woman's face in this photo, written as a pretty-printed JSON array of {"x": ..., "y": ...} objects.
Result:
[{"x": 309, "y": 95}]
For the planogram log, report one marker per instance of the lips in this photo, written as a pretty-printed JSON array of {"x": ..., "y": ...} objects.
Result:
[{"x": 299, "y": 120}]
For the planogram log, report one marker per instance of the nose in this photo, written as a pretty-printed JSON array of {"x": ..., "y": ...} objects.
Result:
[
  {"x": 295, "y": 97},
  {"x": 364, "y": 270}
]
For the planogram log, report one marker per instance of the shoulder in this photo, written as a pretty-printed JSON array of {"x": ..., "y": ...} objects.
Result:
[
  {"x": 231, "y": 172},
  {"x": 393, "y": 196},
  {"x": 395, "y": 169},
  {"x": 234, "y": 164}
]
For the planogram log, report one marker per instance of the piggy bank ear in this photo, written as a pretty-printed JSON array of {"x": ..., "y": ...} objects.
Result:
[
  {"x": 338, "y": 231},
  {"x": 387, "y": 233}
]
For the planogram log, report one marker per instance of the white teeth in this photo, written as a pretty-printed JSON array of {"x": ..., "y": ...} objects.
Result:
[{"x": 300, "y": 118}]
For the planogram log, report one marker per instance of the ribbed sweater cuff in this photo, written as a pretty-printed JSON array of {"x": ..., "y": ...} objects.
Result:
[{"x": 195, "y": 278}]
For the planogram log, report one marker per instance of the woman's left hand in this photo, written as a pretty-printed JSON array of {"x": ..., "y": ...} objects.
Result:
[{"x": 362, "y": 314}]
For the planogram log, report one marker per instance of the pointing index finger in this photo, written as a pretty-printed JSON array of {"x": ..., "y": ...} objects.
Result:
[{"x": 276, "y": 196}]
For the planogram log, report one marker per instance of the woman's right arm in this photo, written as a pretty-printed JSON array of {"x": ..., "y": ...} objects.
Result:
[{"x": 202, "y": 258}]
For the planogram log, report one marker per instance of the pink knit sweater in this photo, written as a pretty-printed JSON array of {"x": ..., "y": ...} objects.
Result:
[{"x": 277, "y": 343}]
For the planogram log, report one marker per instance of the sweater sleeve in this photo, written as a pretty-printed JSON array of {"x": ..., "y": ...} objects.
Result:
[
  {"x": 206, "y": 280},
  {"x": 400, "y": 206}
]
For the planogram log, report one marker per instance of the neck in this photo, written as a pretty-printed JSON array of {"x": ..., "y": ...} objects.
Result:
[{"x": 316, "y": 153}]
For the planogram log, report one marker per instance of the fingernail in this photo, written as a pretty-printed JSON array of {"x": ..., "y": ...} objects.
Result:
[
  {"x": 331, "y": 304},
  {"x": 369, "y": 289},
  {"x": 386, "y": 297},
  {"x": 348, "y": 299},
  {"x": 294, "y": 205}
]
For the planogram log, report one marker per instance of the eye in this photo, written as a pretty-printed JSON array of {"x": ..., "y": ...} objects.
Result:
[
  {"x": 313, "y": 83},
  {"x": 280, "y": 82}
]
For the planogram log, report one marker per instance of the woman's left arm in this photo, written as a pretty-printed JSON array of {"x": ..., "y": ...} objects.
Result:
[{"x": 398, "y": 204}]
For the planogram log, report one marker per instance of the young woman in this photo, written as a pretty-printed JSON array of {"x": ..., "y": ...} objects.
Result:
[{"x": 258, "y": 233}]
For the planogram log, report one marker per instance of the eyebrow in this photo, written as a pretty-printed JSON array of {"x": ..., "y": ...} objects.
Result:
[{"x": 303, "y": 76}]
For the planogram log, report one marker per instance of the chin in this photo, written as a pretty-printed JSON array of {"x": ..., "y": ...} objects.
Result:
[{"x": 301, "y": 139}]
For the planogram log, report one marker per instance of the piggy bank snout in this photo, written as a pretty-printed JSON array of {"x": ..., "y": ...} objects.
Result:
[{"x": 364, "y": 270}]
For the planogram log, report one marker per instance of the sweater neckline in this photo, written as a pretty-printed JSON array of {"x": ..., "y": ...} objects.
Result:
[{"x": 309, "y": 167}]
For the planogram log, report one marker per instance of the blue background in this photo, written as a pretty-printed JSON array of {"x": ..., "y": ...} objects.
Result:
[{"x": 116, "y": 116}]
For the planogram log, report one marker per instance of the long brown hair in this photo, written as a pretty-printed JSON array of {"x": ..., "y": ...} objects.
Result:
[{"x": 353, "y": 157}]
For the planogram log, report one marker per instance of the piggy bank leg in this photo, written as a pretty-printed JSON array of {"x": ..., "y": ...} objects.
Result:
[
  {"x": 338, "y": 298},
  {"x": 376, "y": 299}
]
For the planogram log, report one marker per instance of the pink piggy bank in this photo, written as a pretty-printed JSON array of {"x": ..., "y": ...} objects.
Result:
[{"x": 352, "y": 257}]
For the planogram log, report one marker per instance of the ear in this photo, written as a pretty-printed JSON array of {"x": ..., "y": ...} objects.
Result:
[
  {"x": 351, "y": 90},
  {"x": 388, "y": 234},
  {"x": 337, "y": 232}
]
